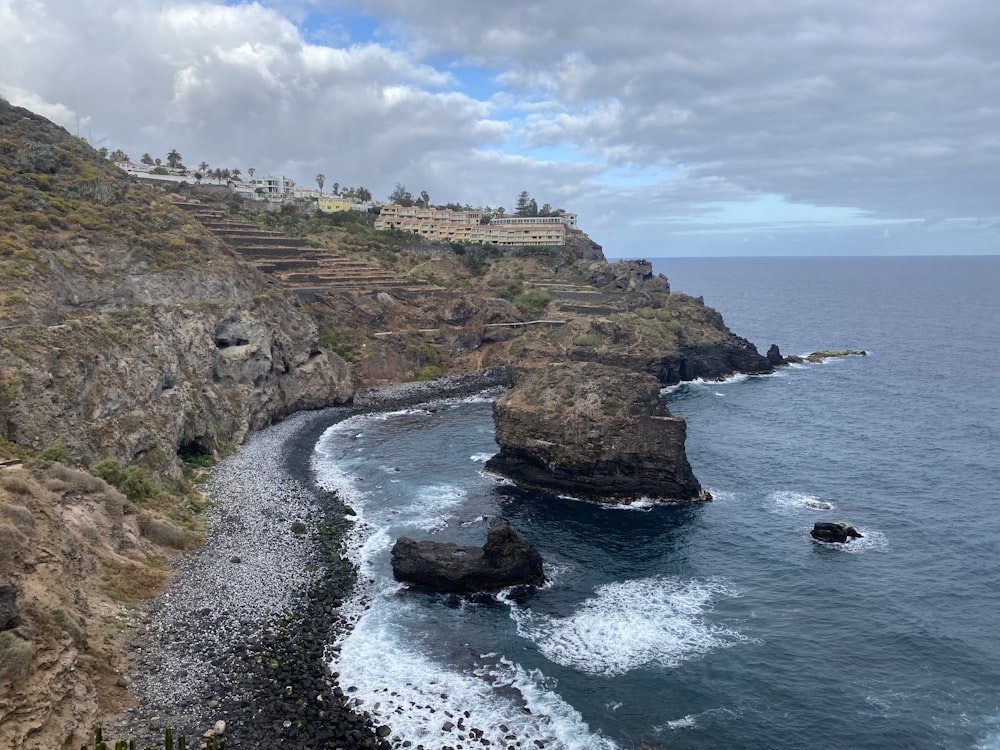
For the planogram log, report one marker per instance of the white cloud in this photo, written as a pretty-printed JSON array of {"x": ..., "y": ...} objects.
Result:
[{"x": 889, "y": 109}]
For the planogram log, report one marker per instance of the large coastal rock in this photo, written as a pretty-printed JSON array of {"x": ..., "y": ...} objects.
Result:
[
  {"x": 505, "y": 560},
  {"x": 595, "y": 432}
]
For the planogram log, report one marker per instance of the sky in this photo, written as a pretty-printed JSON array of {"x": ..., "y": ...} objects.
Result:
[{"x": 673, "y": 128}]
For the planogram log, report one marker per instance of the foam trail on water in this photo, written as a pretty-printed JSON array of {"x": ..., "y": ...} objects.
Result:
[
  {"x": 646, "y": 622},
  {"x": 788, "y": 501},
  {"x": 427, "y": 703}
]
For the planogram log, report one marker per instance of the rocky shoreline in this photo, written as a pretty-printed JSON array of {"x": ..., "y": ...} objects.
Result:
[{"x": 240, "y": 635}]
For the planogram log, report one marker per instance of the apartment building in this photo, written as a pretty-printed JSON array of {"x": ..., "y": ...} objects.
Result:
[{"x": 465, "y": 226}]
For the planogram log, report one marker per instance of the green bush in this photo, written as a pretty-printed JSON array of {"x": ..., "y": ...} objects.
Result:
[
  {"x": 589, "y": 340},
  {"x": 132, "y": 482},
  {"x": 430, "y": 373},
  {"x": 109, "y": 470},
  {"x": 532, "y": 303},
  {"x": 55, "y": 453}
]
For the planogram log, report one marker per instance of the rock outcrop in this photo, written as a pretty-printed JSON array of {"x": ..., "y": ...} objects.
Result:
[
  {"x": 594, "y": 432},
  {"x": 836, "y": 533},
  {"x": 505, "y": 560}
]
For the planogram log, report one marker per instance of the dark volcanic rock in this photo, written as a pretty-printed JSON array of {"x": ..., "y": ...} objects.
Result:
[
  {"x": 839, "y": 533},
  {"x": 505, "y": 560},
  {"x": 774, "y": 356},
  {"x": 593, "y": 432},
  {"x": 10, "y": 616}
]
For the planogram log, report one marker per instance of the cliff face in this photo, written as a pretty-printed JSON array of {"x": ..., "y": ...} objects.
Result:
[
  {"x": 126, "y": 330},
  {"x": 594, "y": 432}
]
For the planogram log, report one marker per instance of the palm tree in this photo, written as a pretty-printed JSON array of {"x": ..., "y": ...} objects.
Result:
[
  {"x": 320, "y": 179},
  {"x": 364, "y": 194},
  {"x": 251, "y": 172},
  {"x": 173, "y": 158},
  {"x": 203, "y": 167},
  {"x": 235, "y": 174},
  {"x": 147, "y": 159},
  {"x": 336, "y": 188}
]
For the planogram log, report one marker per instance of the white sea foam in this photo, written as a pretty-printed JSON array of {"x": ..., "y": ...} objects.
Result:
[
  {"x": 481, "y": 458},
  {"x": 686, "y": 722},
  {"x": 991, "y": 736},
  {"x": 426, "y": 703},
  {"x": 646, "y": 622},
  {"x": 871, "y": 541},
  {"x": 789, "y": 501}
]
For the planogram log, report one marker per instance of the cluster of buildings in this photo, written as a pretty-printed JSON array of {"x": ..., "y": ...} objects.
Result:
[
  {"x": 446, "y": 225},
  {"x": 467, "y": 226},
  {"x": 270, "y": 188}
]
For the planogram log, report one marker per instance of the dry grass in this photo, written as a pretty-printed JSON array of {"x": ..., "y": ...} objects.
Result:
[
  {"x": 15, "y": 657},
  {"x": 18, "y": 515},
  {"x": 17, "y": 484},
  {"x": 165, "y": 534},
  {"x": 128, "y": 581}
]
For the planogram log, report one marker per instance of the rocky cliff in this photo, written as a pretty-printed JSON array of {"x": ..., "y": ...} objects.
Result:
[
  {"x": 594, "y": 432},
  {"x": 126, "y": 329}
]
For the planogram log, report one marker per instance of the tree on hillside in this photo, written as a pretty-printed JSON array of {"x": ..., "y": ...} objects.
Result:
[
  {"x": 523, "y": 204},
  {"x": 173, "y": 158},
  {"x": 118, "y": 155},
  {"x": 198, "y": 177},
  {"x": 235, "y": 174},
  {"x": 147, "y": 159},
  {"x": 252, "y": 171},
  {"x": 320, "y": 179},
  {"x": 203, "y": 167},
  {"x": 364, "y": 194},
  {"x": 400, "y": 195},
  {"x": 425, "y": 198},
  {"x": 336, "y": 188}
]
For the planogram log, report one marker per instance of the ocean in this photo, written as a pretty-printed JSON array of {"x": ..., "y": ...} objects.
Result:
[{"x": 721, "y": 625}]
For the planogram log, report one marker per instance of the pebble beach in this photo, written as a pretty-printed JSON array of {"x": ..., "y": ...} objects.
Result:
[{"x": 238, "y": 641}]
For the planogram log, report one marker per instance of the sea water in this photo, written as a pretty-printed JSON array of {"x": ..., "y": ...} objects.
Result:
[{"x": 719, "y": 625}]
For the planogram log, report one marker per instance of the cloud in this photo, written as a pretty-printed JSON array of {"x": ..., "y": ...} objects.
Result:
[{"x": 629, "y": 113}]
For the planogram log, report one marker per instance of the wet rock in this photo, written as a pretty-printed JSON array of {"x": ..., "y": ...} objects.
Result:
[
  {"x": 505, "y": 560},
  {"x": 836, "y": 533}
]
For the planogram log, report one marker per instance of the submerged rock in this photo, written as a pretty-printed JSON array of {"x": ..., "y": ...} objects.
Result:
[
  {"x": 837, "y": 533},
  {"x": 593, "y": 432},
  {"x": 505, "y": 560}
]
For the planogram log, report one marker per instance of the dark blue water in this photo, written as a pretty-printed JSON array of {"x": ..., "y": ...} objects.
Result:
[{"x": 722, "y": 625}]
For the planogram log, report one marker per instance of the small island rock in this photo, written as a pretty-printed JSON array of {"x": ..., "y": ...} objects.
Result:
[
  {"x": 505, "y": 560},
  {"x": 837, "y": 533}
]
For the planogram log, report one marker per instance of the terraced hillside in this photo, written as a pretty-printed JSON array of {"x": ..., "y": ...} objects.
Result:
[{"x": 306, "y": 270}]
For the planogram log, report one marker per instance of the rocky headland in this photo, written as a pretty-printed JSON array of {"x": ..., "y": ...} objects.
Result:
[{"x": 138, "y": 337}]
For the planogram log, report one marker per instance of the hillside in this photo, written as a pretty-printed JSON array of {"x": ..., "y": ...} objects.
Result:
[{"x": 127, "y": 330}]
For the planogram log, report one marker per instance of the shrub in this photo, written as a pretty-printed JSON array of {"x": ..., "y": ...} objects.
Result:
[
  {"x": 15, "y": 657},
  {"x": 531, "y": 304},
  {"x": 55, "y": 453},
  {"x": 163, "y": 533},
  {"x": 109, "y": 470},
  {"x": 132, "y": 482},
  {"x": 430, "y": 373},
  {"x": 136, "y": 485},
  {"x": 17, "y": 485},
  {"x": 589, "y": 339}
]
